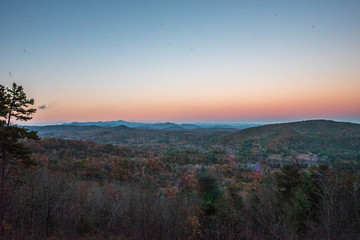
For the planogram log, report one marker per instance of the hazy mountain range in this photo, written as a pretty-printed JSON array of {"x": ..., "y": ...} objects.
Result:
[{"x": 161, "y": 125}]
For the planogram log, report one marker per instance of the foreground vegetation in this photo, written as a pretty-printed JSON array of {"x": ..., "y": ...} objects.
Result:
[{"x": 89, "y": 190}]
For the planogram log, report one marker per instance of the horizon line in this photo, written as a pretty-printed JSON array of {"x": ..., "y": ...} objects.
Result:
[{"x": 225, "y": 122}]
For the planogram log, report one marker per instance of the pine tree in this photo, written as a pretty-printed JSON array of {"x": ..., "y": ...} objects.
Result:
[{"x": 14, "y": 105}]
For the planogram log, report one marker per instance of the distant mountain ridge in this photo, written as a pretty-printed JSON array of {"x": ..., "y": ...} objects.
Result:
[{"x": 161, "y": 125}]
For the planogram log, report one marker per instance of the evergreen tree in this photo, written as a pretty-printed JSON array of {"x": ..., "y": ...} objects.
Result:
[
  {"x": 14, "y": 105},
  {"x": 287, "y": 181},
  {"x": 209, "y": 190}
]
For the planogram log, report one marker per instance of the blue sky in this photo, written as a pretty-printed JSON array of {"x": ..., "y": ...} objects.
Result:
[{"x": 184, "y": 60}]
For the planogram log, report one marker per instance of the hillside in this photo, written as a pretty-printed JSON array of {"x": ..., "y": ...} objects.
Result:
[
  {"x": 139, "y": 137},
  {"x": 258, "y": 178},
  {"x": 324, "y": 137}
]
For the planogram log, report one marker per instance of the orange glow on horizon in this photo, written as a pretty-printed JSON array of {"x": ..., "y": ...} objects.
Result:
[
  {"x": 183, "y": 104},
  {"x": 320, "y": 106}
]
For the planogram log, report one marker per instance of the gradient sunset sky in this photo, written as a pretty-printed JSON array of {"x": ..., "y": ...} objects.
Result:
[{"x": 184, "y": 61}]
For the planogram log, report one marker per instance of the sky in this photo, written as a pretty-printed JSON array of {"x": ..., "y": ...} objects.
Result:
[{"x": 184, "y": 61}]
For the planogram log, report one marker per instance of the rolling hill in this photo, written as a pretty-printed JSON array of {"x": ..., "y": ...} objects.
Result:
[{"x": 324, "y": 137}]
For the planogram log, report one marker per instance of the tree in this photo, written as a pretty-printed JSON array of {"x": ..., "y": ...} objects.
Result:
[
  {"x": 14, "y": 105},
  {"x": 209, "y": 189},
  {"x": 287, "y": 181},
  {"x": 4, "y": 102}
]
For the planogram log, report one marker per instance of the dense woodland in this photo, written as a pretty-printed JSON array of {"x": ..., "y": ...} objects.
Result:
[{"x": 285, "y": 181}]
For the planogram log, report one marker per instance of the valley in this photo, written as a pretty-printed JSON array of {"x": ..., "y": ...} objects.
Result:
[{"x": 118, "y": 182}]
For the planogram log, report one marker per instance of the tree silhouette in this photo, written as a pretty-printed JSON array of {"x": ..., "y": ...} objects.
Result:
[{"x": 14, "y": 105}]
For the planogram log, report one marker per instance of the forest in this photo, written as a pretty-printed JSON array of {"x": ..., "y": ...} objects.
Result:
[{"x": 298, "y": 180}]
